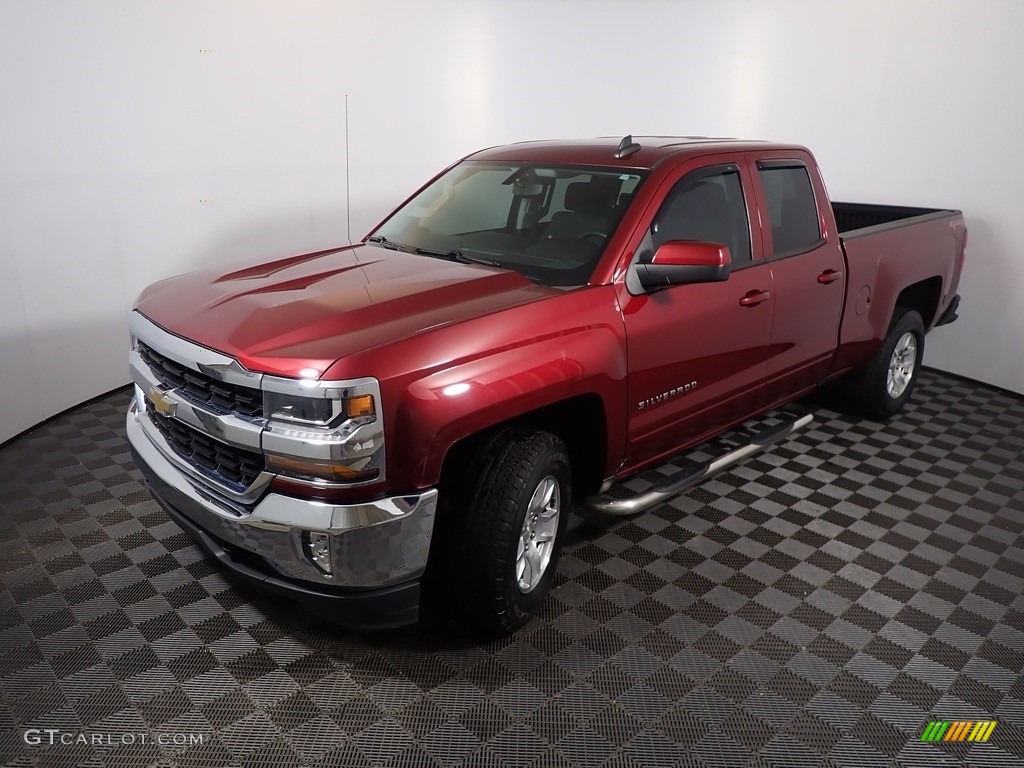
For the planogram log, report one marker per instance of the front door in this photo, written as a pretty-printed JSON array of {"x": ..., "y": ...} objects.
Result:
[{"x": 697, "y": 352}]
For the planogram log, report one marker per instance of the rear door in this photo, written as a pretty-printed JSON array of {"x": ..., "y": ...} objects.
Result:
[
  {"x": 696, "y": 353},
  {"x": 807, "y": 268}
]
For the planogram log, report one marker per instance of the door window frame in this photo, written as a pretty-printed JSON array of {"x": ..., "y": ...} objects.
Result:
[
  {"x": 686, "y": 168},
  {"x": 788, "y": 159}
]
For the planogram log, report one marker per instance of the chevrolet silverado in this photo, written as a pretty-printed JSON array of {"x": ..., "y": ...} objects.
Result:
[{"x": 359, "y": 426}]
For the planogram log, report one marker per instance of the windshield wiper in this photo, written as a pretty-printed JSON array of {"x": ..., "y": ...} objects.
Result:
[
  {"x": 381, "y": 240},
  {"x": 453, "y": 255},
  {"x": 456, "y": 255}
]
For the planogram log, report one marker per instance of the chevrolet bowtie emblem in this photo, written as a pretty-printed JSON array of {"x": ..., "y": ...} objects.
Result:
[{"x": 161, "y": 403}]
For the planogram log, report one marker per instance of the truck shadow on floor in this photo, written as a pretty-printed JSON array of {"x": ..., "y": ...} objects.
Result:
[
  {"x": 440, "y": 631},
  {"x": 440, "y": 628}
]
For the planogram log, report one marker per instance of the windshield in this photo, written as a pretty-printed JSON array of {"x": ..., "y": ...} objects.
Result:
[{"x": 549, "y": 223}]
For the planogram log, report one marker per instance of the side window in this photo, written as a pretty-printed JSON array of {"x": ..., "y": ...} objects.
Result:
[
  {"x": 792, "y": 210},
  {"x": 706, "y": 205}
]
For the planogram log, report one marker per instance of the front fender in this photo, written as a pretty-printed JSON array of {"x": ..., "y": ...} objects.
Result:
[{"x": 448, "y": 405}]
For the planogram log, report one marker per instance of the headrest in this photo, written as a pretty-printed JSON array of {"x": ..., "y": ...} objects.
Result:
[{"x": 587, "y": 197}]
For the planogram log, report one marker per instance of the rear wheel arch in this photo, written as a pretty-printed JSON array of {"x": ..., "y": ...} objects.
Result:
[
  {"x": 882, "y": 387},
  {"x": 922, "y": 297}
]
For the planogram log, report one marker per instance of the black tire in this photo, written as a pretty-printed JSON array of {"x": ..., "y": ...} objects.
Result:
[
  {"x": 493, "y": 499},
  {"x": 869, "y": 389}
]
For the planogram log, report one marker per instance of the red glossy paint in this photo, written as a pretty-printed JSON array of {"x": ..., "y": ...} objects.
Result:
[
  {"x": 304, "y": 313},
  {"x": 692, "y": 254},
  {"x": 666, "y": 369},
  {"x": 885, "y": 263}
]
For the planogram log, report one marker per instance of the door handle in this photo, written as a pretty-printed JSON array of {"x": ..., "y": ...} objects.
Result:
[
  {"x": 753, "y": 298},
  {"x": 829, "y": 276}
]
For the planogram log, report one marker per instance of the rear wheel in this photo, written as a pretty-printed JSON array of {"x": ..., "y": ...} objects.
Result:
[
  {"x": 884, "y": 386},
  {"x": 513, "y": 506}
]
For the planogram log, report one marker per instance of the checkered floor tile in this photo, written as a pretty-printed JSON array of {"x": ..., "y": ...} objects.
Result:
[{"x": 817, "y": 606}]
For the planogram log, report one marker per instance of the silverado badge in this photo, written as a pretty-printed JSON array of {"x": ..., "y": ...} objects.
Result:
[{"x": 658, "y": 399}]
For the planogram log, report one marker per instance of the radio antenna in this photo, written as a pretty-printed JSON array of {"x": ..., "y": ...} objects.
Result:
[{"x": 348, "y": 196}]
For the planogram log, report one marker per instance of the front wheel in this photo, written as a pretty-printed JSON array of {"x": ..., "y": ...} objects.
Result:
[
  {"x": 884, "y": 386},
  {"x": 539, "y": 530},
  {"x": 515, "y": 507}
]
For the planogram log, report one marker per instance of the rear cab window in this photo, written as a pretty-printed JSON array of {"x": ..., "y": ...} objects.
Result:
[{"x": 791, "y": 206}]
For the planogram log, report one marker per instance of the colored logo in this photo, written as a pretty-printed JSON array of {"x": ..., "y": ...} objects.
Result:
[
  {"x": 162, "y": 403},
  {"x": 958, "y": 730}
]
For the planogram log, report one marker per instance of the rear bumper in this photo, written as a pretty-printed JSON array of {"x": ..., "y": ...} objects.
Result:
[
  {"x": 378, "y": 548},
  {"x": 950, "y": 314}
]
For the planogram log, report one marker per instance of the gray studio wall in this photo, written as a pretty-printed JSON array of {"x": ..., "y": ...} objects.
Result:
[{"x": 141, "y": 140}]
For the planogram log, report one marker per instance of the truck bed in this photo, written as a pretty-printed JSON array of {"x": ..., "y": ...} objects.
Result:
[
  {"x": 856, "y": 219},
  {"x": 887, "y": 248}
]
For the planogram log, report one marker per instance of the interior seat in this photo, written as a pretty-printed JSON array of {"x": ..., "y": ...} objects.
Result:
[{"x": 588, "y": 208}]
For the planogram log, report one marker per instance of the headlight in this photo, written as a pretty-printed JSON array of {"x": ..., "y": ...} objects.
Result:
[
  {"x": 323, "y": 432},
  {"x": 317, "y": 411}
]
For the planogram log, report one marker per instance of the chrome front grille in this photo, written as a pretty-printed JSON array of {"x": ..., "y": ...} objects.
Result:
[
  {"x": 230, "y": 465},
  {"x": 204, "y": 411},
  {"x": 202, "y": 389}
]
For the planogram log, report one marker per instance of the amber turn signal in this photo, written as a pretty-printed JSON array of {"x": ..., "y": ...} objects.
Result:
[
  {"x": 357, "y": 407},
  {"x": 320, "y": 470}
]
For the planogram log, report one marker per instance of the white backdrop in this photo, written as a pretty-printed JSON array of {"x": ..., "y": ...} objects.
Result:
[{"x": 143, "y": 139}]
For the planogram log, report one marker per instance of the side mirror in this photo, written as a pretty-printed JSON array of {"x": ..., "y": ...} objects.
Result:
[{"x": 685, "y": 261}]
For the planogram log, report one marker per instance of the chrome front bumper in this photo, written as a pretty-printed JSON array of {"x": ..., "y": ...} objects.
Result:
[{"x": 373, "y": 544}]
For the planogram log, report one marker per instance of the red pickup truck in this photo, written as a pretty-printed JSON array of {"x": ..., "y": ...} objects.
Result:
[{"x": 416, "y": 413}]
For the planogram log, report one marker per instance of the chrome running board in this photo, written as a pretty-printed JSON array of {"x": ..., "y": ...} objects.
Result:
[{"x": 608, "y": 505}]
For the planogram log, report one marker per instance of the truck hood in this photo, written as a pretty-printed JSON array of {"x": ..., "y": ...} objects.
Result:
[{"x": 292, "y": 315}]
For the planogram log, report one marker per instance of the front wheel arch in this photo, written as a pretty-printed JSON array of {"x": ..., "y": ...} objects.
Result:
[{"x": 484, "y": 513}]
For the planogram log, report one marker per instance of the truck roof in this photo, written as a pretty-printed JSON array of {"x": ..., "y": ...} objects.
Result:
[{"x": 602, "y": 151}]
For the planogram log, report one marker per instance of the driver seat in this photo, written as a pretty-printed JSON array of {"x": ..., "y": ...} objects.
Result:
[{"x": 587, "y": 209}]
